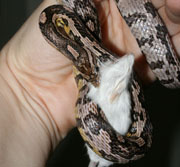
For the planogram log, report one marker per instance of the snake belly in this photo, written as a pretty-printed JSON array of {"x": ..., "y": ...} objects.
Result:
[{"x": 65, "y": 31}]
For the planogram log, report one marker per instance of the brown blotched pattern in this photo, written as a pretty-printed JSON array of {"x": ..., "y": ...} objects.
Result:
[
  {"x": 65, "y": 31},
  {"x": 153, "y": 39}
]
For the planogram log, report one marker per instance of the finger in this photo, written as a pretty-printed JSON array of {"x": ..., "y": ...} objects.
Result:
[
  {"x": 173, "y": 10},
  {"x": 111, "y": 25},
  {"x": 158, "y": 3},
  {"x": 170, "y": 19},
  {"x": 163, "y": 9},
  {"x": 117, "y": 37},
  {"x": 103, "y": 9},
  {"x": 172, "y": 27}
]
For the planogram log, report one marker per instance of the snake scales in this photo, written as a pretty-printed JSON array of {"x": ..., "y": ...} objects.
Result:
[{"x": 73, "y": 29}]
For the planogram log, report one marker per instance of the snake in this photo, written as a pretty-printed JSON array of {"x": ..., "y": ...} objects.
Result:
[{"x": 73, "y": 29}]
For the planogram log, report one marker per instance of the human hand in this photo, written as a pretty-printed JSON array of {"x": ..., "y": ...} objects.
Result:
[
  {"x": 39, "y": 91},
  {"x": 118, "y": 38},
  {"x": 38, "y": 95}
]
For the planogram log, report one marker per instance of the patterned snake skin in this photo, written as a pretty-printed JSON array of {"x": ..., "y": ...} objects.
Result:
[
  {"x": 153, "y": 39},
  {"x": 73, "y": 29}
]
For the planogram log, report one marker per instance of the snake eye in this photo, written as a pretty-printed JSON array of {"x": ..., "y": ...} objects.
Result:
[
  {"x": 128, "y": 134},
  {"x": 59, "y": 22},
  {"x": 62, "y": 23}
]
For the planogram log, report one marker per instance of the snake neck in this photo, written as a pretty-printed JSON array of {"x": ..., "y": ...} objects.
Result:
[
  {"x": 81, "y": 82},
  {"x": 66, "y": 32}
]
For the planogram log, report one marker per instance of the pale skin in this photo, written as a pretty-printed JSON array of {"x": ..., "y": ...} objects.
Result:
[{"x": 38, "y": 91}]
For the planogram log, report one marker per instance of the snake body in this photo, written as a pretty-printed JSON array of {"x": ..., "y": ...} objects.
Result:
[
  {"x": 74, "y": 31},
  {"x": 153, "y": 39}
]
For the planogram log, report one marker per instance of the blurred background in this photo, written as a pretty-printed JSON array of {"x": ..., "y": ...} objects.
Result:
[{"x": 162, "y": 104}]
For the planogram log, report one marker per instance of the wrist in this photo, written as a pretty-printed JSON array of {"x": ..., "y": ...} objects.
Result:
[
  {"x": 43, "y": 73},
  {"x": 24, "y": 135}
]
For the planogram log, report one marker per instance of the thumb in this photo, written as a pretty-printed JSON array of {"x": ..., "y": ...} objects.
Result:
[
  {"x": 42, "y": 72},
  {"x": 31, "y": 54},
  {"x": 173, "y": 10}
]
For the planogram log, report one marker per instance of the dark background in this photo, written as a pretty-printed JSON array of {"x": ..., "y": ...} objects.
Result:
[{"x": 163, "y": 106}]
